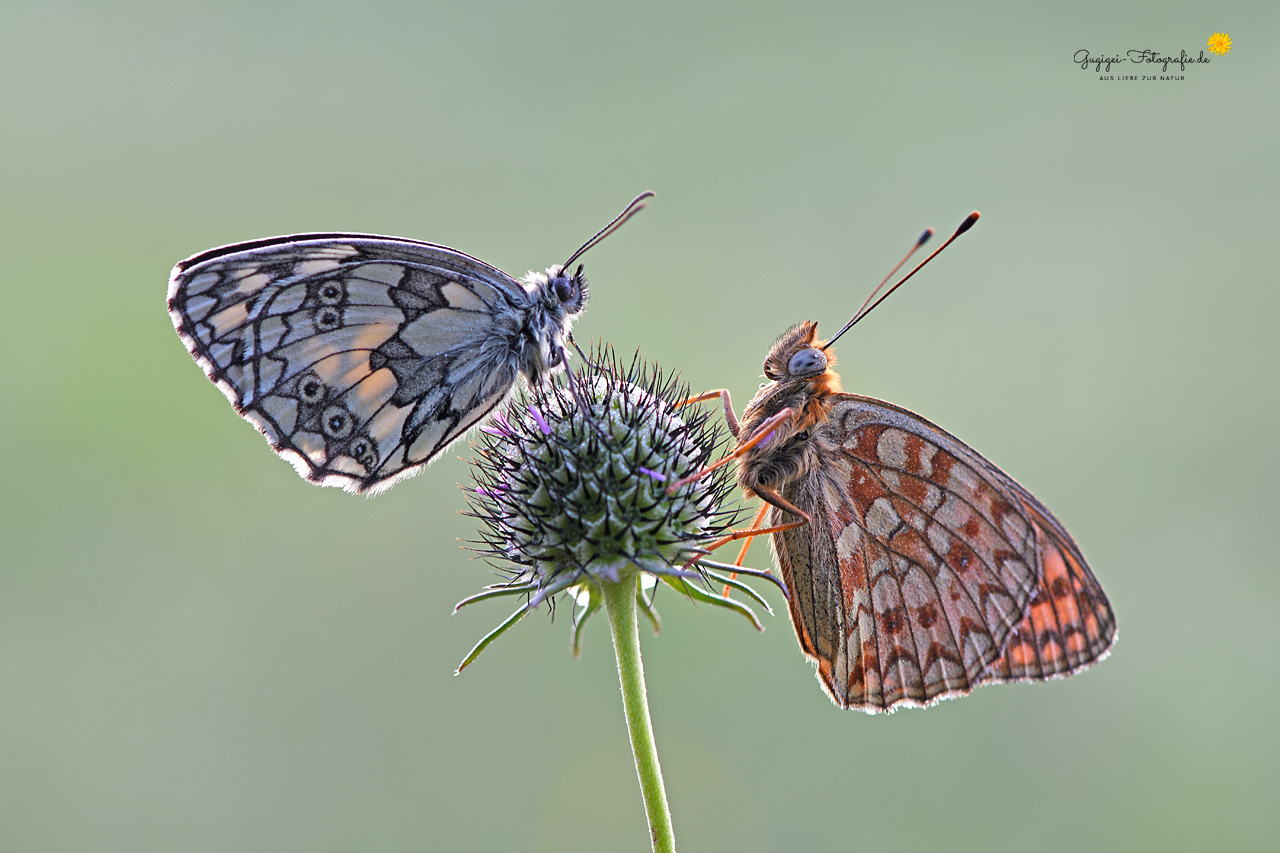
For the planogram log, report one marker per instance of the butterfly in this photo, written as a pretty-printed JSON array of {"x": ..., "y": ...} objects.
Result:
[
  {"x": 917, "y": 570},
  {"x": 361, "y": 357}
]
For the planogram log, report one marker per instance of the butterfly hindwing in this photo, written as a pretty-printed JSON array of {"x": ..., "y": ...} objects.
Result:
[
  {"x": 360, "y": 358},
  {"x": 921, "y": 563},
  {"x": 1069, "y": 624}
]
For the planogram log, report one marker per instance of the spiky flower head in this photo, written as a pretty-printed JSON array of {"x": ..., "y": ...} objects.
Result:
[{"x": 571, "y": 486}]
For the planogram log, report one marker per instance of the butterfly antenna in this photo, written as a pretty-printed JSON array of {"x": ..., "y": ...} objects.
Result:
[
  {"x": 576, "y": 382},
  {"x": 865, "y": 309},
  {"x": 636, "y": 205},
  {"x": 924, "y": 238}
]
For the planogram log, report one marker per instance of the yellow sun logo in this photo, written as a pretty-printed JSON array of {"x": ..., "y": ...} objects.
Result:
[{"x": 1220, "y": 43}]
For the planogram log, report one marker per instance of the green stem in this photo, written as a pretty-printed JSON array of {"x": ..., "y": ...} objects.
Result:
[{"x": 620, "y": 603}]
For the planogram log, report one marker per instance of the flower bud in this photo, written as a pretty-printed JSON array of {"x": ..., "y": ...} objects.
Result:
[{"x": 571, "y": 486}]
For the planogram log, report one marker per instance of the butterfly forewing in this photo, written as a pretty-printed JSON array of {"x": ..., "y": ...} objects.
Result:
[
  {"x": 923, "y": 564},
  {"x": 360, "y": 358}
]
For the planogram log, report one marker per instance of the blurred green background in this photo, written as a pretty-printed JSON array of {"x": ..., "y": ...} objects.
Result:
[{"x": 199, "y": 651}]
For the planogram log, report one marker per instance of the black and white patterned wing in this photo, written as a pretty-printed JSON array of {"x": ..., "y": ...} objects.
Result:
[{"x": 359, "y": 357}]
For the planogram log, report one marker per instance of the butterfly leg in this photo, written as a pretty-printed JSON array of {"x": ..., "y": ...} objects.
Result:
[
  {"x": 723, "y": 394},
  {"x": 746, "y": 546},
  {"x": 576, "y": 385},
  {"x": 581, "y": 354},
  {"x": 770, "y": 497},
  {"x": 764, "y": 432},
  {"x": 755, "y": 522}
]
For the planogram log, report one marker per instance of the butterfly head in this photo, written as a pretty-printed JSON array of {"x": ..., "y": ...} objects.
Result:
[
  {"x": 565, "y": 289},
  {"x": 557, "y": 297},
  {"x": 802, "y": 379},
  {"x": 798, "y": 364}
]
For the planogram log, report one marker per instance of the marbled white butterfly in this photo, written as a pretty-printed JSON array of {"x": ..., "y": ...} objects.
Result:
[{"x": 360, "y": 357}]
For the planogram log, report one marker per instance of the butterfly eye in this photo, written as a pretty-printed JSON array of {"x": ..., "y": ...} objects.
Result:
[
  {"x": 807, "y": 361},
  {"x": 564, "y": 289}
]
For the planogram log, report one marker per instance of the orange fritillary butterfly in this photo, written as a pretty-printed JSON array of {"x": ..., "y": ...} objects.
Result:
[{"x": 917, "y": 570}]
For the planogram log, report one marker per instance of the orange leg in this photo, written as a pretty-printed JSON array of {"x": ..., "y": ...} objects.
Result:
[
  {"x": 723, "y": 394},
  {"x": 766, "y": 429},
  {"x": 770, "y": 497},
  {"x": 742, "y": 555},
  {"x": 746, "y": 546}
]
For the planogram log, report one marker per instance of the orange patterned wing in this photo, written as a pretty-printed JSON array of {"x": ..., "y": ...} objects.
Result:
[
  {"x": 926, "y": 570},
  {"x": 1069, "y": 625}
]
